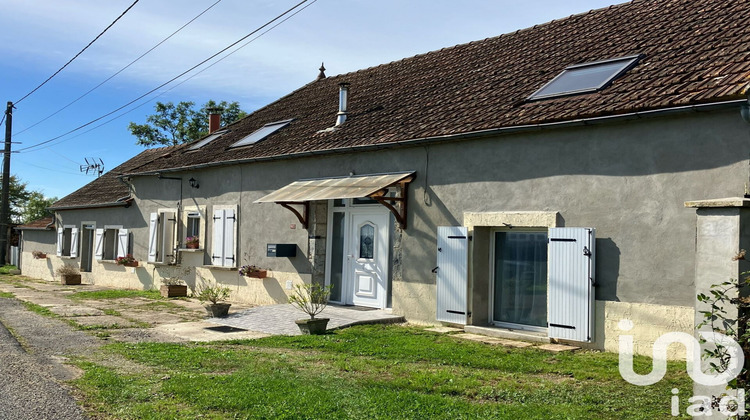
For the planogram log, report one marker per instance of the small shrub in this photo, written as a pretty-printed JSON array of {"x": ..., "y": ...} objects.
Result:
[
  {"x": 67, "y": 270},
  {"x": 311, "y": 298},
  {"x": 213, "y": 293}
]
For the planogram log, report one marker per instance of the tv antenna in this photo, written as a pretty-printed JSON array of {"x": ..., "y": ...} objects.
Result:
[{"x": 93, "y": 166}]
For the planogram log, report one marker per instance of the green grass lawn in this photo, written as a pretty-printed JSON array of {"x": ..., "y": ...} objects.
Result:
[{"x": 388, "y": 372}]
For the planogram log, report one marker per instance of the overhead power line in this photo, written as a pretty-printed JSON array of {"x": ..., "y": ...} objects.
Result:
[
  {"x": 169, "y": 81},
  {"x": 79, "y": 53},
  {"x": 187, "y": 79},
  {"x": 119, "y": 71}
]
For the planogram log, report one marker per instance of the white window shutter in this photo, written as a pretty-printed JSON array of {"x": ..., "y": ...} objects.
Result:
[
  {"x": 168, "y": 222},
  {"x": 217, "y": 242},
  {"x": 60, "y": 238},
  {"x": 123, "y": 242},
  {"x": 230, "y": 220},
  {"x": 452, "y": 274},
  {"x": 99, "y": 244},
  {"x": 153, "y": 236},
  {"x": 74, "y": 242},
  {"x": 571, "y": 283}
]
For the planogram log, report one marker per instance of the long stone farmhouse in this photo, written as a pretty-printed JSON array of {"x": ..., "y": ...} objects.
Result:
[{"x": 548, "y": 182}]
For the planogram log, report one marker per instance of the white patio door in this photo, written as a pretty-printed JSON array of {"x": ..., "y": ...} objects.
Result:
[{"x": 367, "y": 258}]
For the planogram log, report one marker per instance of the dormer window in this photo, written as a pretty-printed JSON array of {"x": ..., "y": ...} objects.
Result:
[
  {"x": 207, "y": 140},
  {"x": 262, "y": 133},
  {"x": 586, "y": 77}
]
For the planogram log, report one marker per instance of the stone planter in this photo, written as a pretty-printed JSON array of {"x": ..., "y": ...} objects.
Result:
[
  {"x": 173, "y": 290},
  {"x": 218, "y": 310},
  {"x": 70, "y": 279},
  {"x": 315, "y": 326}
]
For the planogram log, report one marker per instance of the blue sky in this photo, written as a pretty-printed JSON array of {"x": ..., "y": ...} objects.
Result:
[{"x": 39, "y": 36}]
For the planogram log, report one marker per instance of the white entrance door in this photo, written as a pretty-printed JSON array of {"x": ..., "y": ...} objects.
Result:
[{"x": 368, "y": 258}]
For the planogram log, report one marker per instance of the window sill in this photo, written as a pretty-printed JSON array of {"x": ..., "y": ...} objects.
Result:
[
  {"x": 67, "y": 257},
  {"x": 220, "y": 267},
  {"x": 192, "y": 250},
  {"x": 107, "y": 261}
]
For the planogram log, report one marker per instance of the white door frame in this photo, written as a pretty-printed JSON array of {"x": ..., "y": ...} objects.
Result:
[{"x": 347, "y": 281}]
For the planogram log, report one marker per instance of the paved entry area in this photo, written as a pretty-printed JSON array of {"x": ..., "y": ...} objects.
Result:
[{"x": 279, "y": 319}]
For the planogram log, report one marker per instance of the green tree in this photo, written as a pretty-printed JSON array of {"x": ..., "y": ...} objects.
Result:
[
  {"x": 36, "y": 207},
  {"x": 175, "y": 124},
  {"x": 18, "y": 196}
]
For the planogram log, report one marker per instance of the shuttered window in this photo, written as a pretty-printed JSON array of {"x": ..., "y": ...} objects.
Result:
[
  {"x": 571, "y": 283},
  {"x": 452, "y": 274},
  {"x": 161, "y": 237},
  {"x": 224, "y": 233},
  {"x": 67, "y": 241}
]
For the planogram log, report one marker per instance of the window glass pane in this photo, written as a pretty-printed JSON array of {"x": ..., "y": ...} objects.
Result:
[
  {"x": 67, "y": 238},
  {"x": 584, "y": 78},
  {"x": 193, "y": 225},
  {"x": 337, "y": 256},
  {"x": 261, "y": 133},
  {"x": 521, "y": 278},
  {"x": 366, "y": 241},
  {"x": 363, "y": 200},
  {"x": 339, "y": 202},
  {"x": 110, "y": 244}
]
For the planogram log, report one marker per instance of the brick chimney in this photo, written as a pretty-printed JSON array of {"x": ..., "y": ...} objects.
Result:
[{"x": 214, "y": 119}]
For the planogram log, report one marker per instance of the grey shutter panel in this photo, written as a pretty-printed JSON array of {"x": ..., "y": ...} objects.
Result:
[
  {"x": 452, "y": 274},
  {"x": 571, "y": 283},
  {"x": 168, "y": 224},
  {"x": 228, "y": 245},
  {"x": 123, "y": 242},
  {"x": 153, "y": 236},
  {"x": 99, "y": 244},
  {"x": 60, "y": 238},
  {"x": 217, "y": 241},
  {"x": 74, "y": 242}
]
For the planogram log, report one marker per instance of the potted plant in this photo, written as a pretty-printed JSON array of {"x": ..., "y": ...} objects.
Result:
[
  {"x": 253, "y": 271},
  {"x": 127, "y": 261},
  {"x": 69, "y": 275},
  {"x": 192, "y": 242},
  {"x": 311, "y": 299},
  {"x": 38, "y": 255},
  {"x": 172, "y": 284},
  {"x": 215, "y": 295}
]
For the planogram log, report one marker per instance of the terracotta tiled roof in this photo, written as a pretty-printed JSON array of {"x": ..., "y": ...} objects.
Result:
[
  {"x": 39, "y": 224},
  {"x": 694, "y": 52},
  {"x": 107, "y": 190}
]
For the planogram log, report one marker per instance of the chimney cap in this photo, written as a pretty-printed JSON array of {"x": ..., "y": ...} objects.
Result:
[{"x": 215, "y": 110}]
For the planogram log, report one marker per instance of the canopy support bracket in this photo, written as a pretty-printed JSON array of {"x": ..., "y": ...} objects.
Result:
[
  {"x": 396, "y": 205},
  {"x": 302, "y": 217}
]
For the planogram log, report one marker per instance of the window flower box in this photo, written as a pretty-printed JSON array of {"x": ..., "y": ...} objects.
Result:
[{"x": 253, "y": 271}]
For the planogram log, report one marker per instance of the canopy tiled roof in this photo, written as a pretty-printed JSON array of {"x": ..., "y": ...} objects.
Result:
[
  {"x": 694, "y": 52},
  {"x": 38, "y": 224}
]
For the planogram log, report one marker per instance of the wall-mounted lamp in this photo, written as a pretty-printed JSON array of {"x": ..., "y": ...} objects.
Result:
[{"x": 193, "y": 183}]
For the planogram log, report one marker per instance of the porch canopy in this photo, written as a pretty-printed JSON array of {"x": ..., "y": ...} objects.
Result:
[{"x": 374, "y": 186}]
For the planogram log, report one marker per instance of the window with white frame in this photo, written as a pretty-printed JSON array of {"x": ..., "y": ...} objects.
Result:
[
  {"x": 111, "y": 242},
  {"x": 193, "y": 225},
  {"x": 161, "y": 237},
  {"x": 224, "y": 236},
  {"x": 67, "y": 241}
]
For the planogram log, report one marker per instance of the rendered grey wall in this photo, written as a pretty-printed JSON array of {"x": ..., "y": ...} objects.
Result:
[{"x": 628, "y": 180}]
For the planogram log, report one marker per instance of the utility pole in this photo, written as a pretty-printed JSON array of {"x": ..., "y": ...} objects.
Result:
[{"x": 5, "y": 207}]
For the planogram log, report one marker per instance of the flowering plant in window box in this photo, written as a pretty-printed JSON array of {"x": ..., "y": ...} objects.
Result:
[
  {"x": 127, "y": 261},
  {"x": 192, "y": 242},
  {"x": 38, "y": 255},
  {"x": 253, "y": 271}
]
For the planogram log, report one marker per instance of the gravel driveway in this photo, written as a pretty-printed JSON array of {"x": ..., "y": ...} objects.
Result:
[{"x": 32, "y": 373}]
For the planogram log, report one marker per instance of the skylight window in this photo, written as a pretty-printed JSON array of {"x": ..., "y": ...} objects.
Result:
[
  {"x": 262, "y": 133},
  {"x": 587, "y": 77},
  {"x": 207, "y": 140}
]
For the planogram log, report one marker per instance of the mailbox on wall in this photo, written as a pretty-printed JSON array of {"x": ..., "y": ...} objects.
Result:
[{"x": 281, "y": 250}]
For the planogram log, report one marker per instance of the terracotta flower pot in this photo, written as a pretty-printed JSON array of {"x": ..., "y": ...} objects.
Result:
[
  {"x": 131, "y": 264},
  {"x": 192, "y": 245},
  {"x": 260, "y": 274},
  {"x": 315, "y": 326}
]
